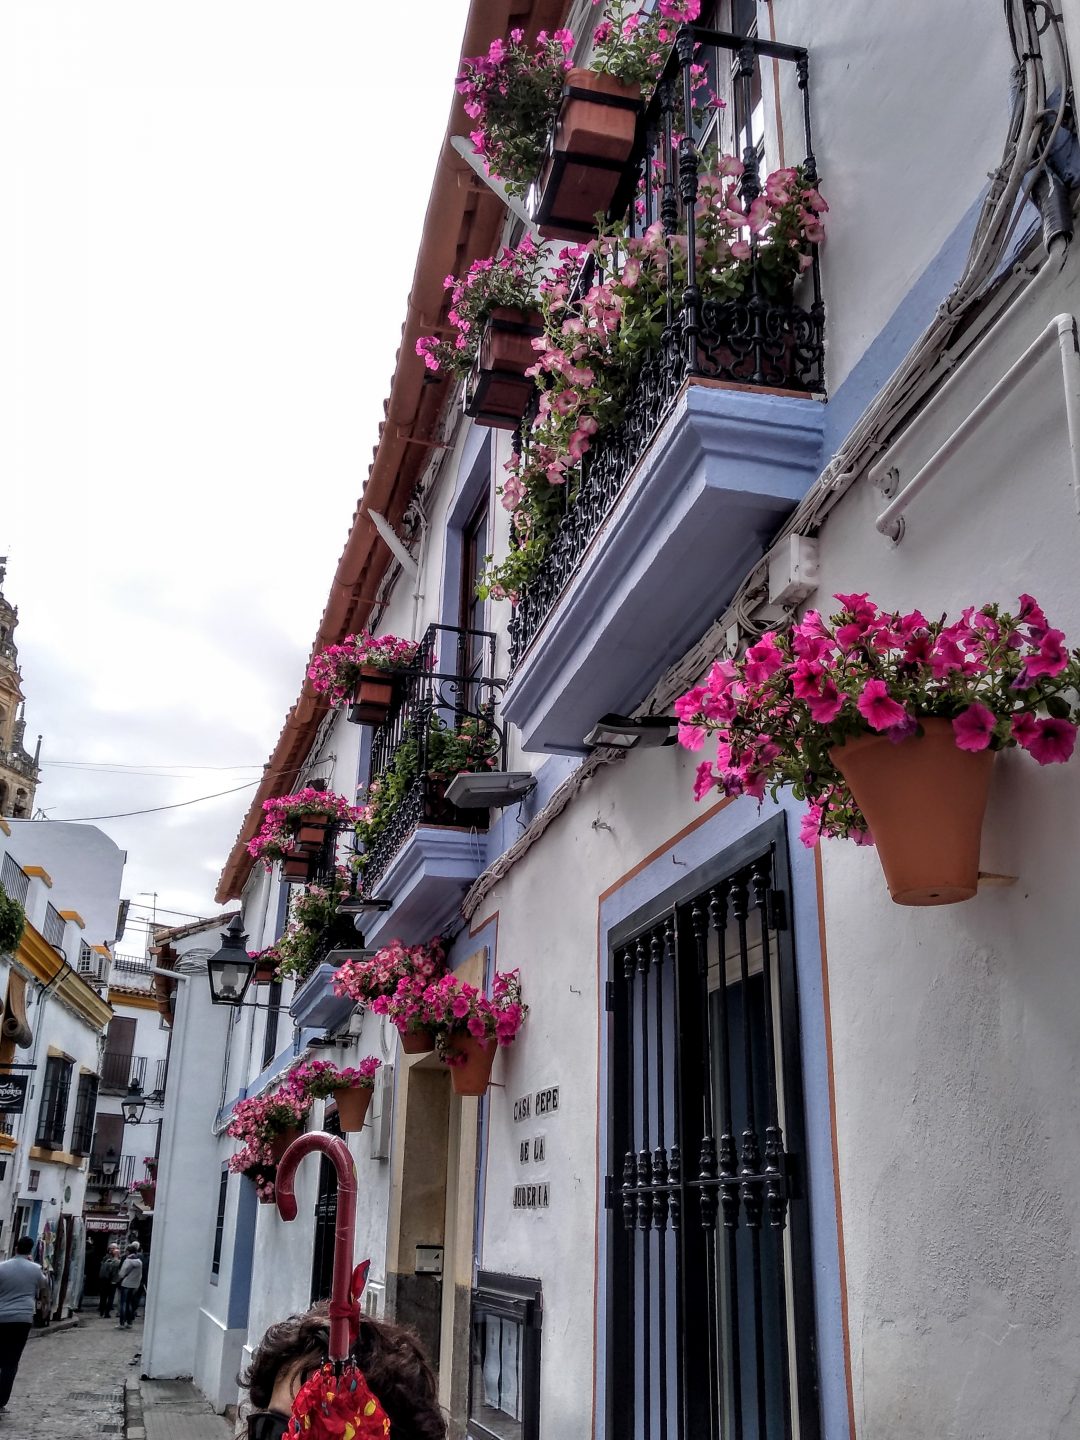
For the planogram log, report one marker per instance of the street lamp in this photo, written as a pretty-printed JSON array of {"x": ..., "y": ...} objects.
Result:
[
  {"x": 133, "y": 1104},
  {"x": 109, "y": 1165},
  {"x": 231, "y": 970}
]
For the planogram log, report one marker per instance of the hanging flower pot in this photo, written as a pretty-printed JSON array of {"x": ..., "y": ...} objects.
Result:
[
  {"x": 262, "y": 1177},
  {"x": 417, "y": 1042},
  {"x": 497, "y": 393},
  {"x": 352, "y": 1106},
  {"x": 298, "y": 867},
  {"x": 372, "y": 696},
  {"x": 924, "y": 801},
  {"x": 280, "y": 1142},
  {"x": 587, "y": 163},
  {"x": 147, "y": 1192},
  {"x": 472, "y": 1059},
  {"x": 311, "y": 831}
]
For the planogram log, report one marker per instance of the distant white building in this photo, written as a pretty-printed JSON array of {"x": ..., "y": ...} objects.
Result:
[{"x": 56, "y": 1014}]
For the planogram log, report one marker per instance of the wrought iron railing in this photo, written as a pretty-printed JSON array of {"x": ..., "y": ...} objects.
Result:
[
  {"x": 125, "y": 1173},
  {"x": 53, "y": 928},
  {"x": 119, "y": 1071},
  {"x": 450, "y": 690},
  {"x": 15, "y": 880},
  {"x": 767, "y": 335}
]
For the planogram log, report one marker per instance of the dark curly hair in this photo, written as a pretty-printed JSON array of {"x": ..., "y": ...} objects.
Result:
[{"x": 390, "y": 1356}]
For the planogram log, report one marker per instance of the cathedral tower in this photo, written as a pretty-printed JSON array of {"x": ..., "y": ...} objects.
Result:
[{"x": 18, "y": 768}]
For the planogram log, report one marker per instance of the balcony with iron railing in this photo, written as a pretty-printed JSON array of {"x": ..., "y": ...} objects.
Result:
[
  {"x": 718, "y": 431},
  {"x": 132, "y": 971},
  {"x": 121, "y": 1180},
  {"x": 15, "y": 880},
  {"x": 421, "y": 851},
  {"x": 119, "y": 1071}
]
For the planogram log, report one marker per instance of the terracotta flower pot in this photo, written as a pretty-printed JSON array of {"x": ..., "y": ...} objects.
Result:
[
  {"x": 371, "y": 700},
  {"x": 587, "y": 166},
  {"x": 281, "y": 1142},
  {"x": 924, "y": 801},
  {"x": 147, "y": 1193},
  {"x": 473, "y": 1075},
  {"x": 352, "y": 1106},
  {"x": 417, "y": 1042},
  {"x": 312, "y": 829},
  {"x": 498, "y": 392},
  {"x": 297, "y": 867},
  {"x": 264, "y": 974}
]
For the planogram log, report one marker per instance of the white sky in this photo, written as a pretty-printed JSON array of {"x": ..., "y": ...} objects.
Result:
[{"x": 210, "y": 216}]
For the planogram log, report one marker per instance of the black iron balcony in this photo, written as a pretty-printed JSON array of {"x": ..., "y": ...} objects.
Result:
[
  {"x": 15, "y": 880},
  {"x": 120, "y": 1180},
  {"x": 442, "y": 720},
  {"x": 119, "y": 1071},
  {"x": 768, "y": 335}
]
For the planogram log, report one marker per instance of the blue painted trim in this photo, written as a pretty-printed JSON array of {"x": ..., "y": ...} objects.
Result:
[
  {"x": 243, "y": 1258},
  {"x": 464, "y": 946},
  {"x": 315, "y": 1004},
  {"x": 472, "y": 481},
  {"x": 427, "y": 878},
  {"x": 735, "y": 821},
  {"x": 698, "y": 511}
]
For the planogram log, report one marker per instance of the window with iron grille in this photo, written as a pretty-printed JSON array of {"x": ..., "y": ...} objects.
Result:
[
  {"x": 504, "y": 1376},
  {"x": 219, "y": 1223},
  {"x": 82, "y": 1133},
  {"x": 33, "y": 1179},
  {"x": 52, "y": 1117},
  {"x": 711, "y": 1303}
]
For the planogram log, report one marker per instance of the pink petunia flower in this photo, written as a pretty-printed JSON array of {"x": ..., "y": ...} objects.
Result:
[
  {"x": 877, "y": 707},
  {"x": 1051, "y": 742},
  {"x": 973, "y": 728}
]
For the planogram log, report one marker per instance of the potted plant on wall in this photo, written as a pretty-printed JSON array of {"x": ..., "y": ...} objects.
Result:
[
  {"x": 888, "y": 724},
  {"x": 493, "y": 311},
  {"x": 377, "y": 981},
  {"x": 314, "y": 927},
  {"x": 351, "y": 1088},
  {"x": 469, "y": 1026},
  {"x": 360, "y": 673},
  {"x": 294, "y": 829},
  {"x": 268, "y": 1124},
  {"x": 254, "y": 1165}
]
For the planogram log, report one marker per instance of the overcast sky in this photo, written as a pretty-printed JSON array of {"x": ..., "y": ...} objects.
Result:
[{"x": 211, "y": 210}]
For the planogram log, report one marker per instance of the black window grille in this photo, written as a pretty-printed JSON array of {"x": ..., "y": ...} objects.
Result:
[
  {"x": 82, "y": 1132},
  {"x": 219, "y": 1223},
  {"x": 273, "y": 1017},
  {"x": 504, "y": 1371},
  {"x": 14, "y": 880},
  {"x": 322, "y": 1260},
  {"x": 53, "y": 928},
  {"x": 52, "y": 1117},
  {"x": 711, "y": 1305}
]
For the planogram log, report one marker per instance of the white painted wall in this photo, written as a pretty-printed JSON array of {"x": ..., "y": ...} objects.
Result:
[{"x": 85, "y": 866}]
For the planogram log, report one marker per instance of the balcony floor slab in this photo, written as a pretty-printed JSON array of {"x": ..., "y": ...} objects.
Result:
[
  {"x": 698, "y": 511},
  {"x": 426, "y": 880}
]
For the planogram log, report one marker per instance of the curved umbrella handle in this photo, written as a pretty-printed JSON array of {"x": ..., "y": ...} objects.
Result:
[{"x": 337, "y": 1152}]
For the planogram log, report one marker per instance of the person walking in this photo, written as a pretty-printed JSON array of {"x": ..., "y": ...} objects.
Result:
[
  {"x": 108, "y": 1274},
  {"x": 129, "y": 1280},
  {"x": 23, "y": 1287}
]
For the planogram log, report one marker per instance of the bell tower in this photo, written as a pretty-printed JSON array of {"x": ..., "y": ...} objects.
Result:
[{"x": 19, "y": 772}]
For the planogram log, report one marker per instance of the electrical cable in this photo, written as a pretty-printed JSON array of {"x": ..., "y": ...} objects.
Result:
[{"x": 156, "y": 809}]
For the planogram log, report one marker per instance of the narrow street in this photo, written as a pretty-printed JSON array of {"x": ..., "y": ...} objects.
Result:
[{"x": 72, "y": 1383}]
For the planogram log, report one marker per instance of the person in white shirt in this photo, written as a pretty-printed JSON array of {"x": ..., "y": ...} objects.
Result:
[
  {"x": 23, "y": 1287},
  {"x": 129, "y": 1284}
]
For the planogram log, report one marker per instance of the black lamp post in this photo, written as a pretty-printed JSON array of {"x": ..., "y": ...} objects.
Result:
[
  {"x": 133, "y": 1104},
  {"x": 109, "y": 1165},
  {"x": 231, "y": 970}
]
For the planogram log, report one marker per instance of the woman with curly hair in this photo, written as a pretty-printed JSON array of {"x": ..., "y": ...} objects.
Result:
[{"x": 289, "y": 1358}]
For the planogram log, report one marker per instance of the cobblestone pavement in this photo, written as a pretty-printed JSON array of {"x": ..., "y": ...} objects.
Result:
[{"x": 72, "y": 1382}]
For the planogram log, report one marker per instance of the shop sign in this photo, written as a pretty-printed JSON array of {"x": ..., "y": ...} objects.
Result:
[{"x": 13, "y": 1093}]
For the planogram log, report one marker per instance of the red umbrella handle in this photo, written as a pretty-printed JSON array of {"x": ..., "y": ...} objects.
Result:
[{"x": 342, "y": 1305}]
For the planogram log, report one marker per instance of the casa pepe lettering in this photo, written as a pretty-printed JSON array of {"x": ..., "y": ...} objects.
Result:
[
  {"x": 532, "y": 1149},
  {"x": 543, "y": 1102}
]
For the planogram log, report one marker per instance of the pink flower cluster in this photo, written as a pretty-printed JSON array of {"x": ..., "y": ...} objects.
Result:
[
  {"x": 1001, "y": 679},
  {"x": 449, "y": 1006},
  {"x": 508, "y": 280},
  {"x": 366, "y": 980},
  {"x": 316, "y": 1079},
  {"x": 335, "y": 671},
  {"x": 283, "y": 814},
  {"x": 256, "y": 1121}
]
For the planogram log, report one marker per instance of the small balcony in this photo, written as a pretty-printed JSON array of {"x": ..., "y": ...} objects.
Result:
[
  {"x": 121, "y": 1180},
  {"x": 120, "y": 1071},
  {"x": 720, "y": 434},
  {"x": 425, "y": 852}
]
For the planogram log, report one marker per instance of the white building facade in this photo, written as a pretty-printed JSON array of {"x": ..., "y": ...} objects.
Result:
[
  {"x": 56, "y": 1013},
  {"x": 771, "y": 1156}
]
